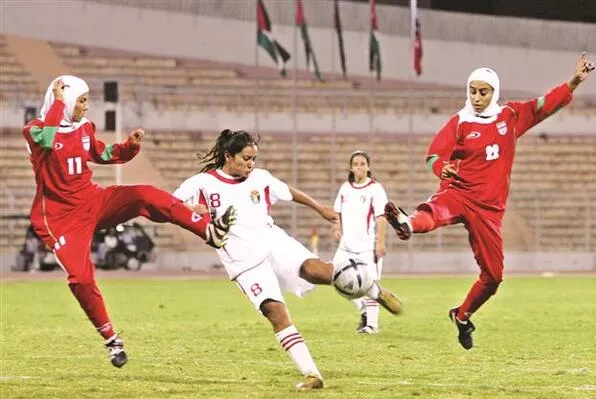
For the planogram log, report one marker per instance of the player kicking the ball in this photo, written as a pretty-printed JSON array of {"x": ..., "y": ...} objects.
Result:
[
  {"x": 473, "y": 155},
  {"x": 259, "y": 256},
  {"x": 69, "y": 207}
]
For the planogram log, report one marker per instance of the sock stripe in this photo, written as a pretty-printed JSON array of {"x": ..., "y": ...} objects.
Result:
[
  {"x": 292, "y": 343},
  {"x": 288, "y": 337}
]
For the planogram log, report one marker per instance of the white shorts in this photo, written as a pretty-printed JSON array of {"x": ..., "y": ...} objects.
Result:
[
  {"x": 368, "y": 257},
  {"x": 279, "y": 272}
]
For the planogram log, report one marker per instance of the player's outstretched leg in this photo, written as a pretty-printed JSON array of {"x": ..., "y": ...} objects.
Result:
[
  {"x": 399, "y": 220},
  {"x": 464, "y": 329}
]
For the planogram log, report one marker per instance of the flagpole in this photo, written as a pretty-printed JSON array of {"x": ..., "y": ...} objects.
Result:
[
  {"x": 333, "y": 159},
  {"x": 257, "y": 80},
  {"x": 410, "y": 142},
  {"x": 295, "y": 131}
]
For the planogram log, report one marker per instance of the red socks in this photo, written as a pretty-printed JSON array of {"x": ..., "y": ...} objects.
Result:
[
  {"x": 480, "y": 292},
  {"x": 92, "y": 303}
]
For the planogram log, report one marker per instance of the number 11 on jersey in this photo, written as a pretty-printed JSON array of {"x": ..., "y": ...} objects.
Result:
[{"x": 75, "y": 165}]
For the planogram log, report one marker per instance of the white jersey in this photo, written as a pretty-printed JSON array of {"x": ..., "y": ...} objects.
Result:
[
  {"x": 359, "y": 206},
  {"x": 249, "y": 240}
]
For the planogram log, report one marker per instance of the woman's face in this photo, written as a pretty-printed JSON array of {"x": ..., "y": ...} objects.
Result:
[
  {"x": 480, "y": 95},
  {"x": 81, "y": 107},
  {"x": 241, "y": 164},
  {"x": 359, "y": 167}
]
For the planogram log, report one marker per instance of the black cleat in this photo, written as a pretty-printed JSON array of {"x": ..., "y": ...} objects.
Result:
[
  {"x": 464, "y": 328},
  {"x": 116, "y": 351},
  {"x": 363, "y": 321},
  {"x": 399, "y": 220}
]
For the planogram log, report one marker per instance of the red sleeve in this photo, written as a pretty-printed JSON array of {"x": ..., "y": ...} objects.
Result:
[
  {"x": 112, "y": 153},
  {"x": 530, "y": 113},
  {"x": 55, "y": 114},
  {"x": 439, "y": 151}
]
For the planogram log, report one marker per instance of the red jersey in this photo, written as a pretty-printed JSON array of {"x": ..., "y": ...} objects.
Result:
[
  {"x": 483, "y": 152},
  {"x": 60, "y": 164}
]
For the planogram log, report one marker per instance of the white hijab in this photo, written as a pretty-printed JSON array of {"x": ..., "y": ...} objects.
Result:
[
  {"x": 73, "y": 89},
  {"x": 489, "y": 115}
]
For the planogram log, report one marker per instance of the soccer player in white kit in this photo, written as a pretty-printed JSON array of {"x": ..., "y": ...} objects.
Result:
[
  {"x": 259, "y": 256},
  {"x": 360, "y": 230}
]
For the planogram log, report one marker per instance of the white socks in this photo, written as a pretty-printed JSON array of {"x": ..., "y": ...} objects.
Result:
[
  {"x": 372, "y": 313},
  {"x": 292, "y": 342}
]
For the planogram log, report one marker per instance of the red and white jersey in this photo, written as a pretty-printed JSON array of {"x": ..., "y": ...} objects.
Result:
[
  {"x": 359, "y": 206},
  {"x": 483, "y": 150},
  {"x": 250, "y": 239}
]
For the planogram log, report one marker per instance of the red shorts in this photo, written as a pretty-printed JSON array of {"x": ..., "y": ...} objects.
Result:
[{"x": 484, "y": 228}]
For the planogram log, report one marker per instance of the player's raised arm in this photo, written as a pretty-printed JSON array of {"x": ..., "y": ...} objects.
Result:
[
  {"x": 116, "y": 153},
  {"x": 44, "y": 135},
  {"x": 532, "y": 112}
]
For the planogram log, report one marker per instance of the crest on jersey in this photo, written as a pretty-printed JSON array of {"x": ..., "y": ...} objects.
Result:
[
  {"x": 86, "y": 143},
  {"x": 363, "y": 199},
  {"x": 473, "y": 135},
  {"x": 502, "y": 128},
  {"x": 255, "y": 196}
]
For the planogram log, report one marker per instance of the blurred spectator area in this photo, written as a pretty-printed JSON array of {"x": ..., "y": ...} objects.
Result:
[
  {"x": 196, "y": 85},
  {"x": 551, "y": 205}
]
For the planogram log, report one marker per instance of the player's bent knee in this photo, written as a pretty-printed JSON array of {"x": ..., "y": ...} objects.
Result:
[{"x": 276, "y": 312}]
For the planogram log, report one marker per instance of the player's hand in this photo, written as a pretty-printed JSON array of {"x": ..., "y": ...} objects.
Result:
[
  {"x": 583, "y": 67},
  {"x": 379, "y": 250},
  {"x": 329, "y": 214},
  {"x": 450, "y": 171},
  {"x": 58, "y": 90},
  {"x": 336, "y": 232},
  {"x": 136, "y": 136}
]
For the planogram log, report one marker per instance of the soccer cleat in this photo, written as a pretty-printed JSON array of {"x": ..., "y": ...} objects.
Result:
[
  {"x": 368, "y": 330},
  {"x": 116, "y": 351},
  {"x": 217, "y": 230},
  {"x": 389, "y": 301},
  {"x": 363, "y": 321},
  {"x": 311, "y": 381},
  {"x": 464, "y": 329},
  {"x": 399, "y": 220}
]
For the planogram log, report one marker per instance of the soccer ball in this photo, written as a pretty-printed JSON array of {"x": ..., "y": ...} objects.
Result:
[{"x": 351, "y": 279}]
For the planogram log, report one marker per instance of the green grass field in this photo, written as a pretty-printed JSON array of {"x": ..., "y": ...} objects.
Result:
[{"x": 202, "y": 339}]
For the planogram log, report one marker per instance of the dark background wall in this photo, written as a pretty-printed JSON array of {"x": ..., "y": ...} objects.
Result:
[{"x": 564, "y": 10}]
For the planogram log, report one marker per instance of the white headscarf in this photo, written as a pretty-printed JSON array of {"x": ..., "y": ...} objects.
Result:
[
  {"x": 489, "y": 115},
  {"x": 73, "y": 89}
]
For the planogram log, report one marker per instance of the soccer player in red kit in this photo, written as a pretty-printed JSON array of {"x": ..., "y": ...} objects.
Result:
[
  {"x": 473, "y": 155},
  {"x": 68, "y": 207}
]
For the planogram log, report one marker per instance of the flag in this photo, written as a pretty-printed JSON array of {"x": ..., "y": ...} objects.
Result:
[
  {"x": 266, "y": 40},
  {"x": 374, "y": 48},
  {"x": 311, "y": 60},
  {"x": 340, "y": 37},
  {"x": 417, "y": 38}
]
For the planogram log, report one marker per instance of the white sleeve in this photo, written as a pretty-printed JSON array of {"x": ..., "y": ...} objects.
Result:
[
  {"x": 188, "y": 192},
  {"x": 278, "y": 190},
  {"x": 337, "y": 204},
  {"x": 379, "y": 200}
]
